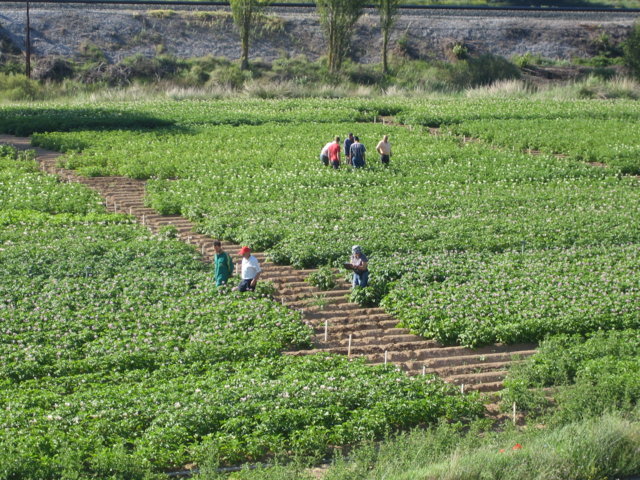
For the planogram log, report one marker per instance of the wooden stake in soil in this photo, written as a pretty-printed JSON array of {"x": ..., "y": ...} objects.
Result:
[
  {"x": 462, "y": 388},
  {"x": 349, "y": 348},
  {"x": 424, "y": 370},
  {"x": 385, "y": 357},
  {"x": 202, "y": 250},
  {"x": 514, "y": 413},
  {"x": 144, "y": 222},
  {"x": 130, "y": 210},
  {"x": 326, "y": 330}
]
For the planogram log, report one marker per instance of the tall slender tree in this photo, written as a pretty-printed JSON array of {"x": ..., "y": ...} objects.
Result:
[
  {"x": 337, "y": 18},
  {"x": 243, "y": 12},
  {"x": 388, "y": 15}
]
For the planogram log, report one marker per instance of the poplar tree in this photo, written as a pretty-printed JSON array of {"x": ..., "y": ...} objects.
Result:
[
  {"x": 243, "y": 12},
  {"x": 338, "y": 18},
  {"x": 388, "y": 15}
]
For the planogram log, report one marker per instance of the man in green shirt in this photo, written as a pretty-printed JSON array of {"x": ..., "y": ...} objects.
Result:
[{"x": 223, "y": 264}]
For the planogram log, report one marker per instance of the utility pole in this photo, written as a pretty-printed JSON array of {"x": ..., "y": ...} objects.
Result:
[{"x": 28, "y": 44}]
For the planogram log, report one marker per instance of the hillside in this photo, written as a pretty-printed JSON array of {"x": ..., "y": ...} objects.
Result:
[{"x": 69, "y": 30}]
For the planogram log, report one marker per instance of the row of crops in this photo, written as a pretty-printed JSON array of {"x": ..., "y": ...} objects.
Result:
[
  {"x": 120, "y": 359},
  {"x": 470, "y": 244}
]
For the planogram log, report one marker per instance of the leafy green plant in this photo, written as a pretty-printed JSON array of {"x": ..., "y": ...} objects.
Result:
[
  {"x": 324, "y": 278},
  {"x": 168, "y": 231}
]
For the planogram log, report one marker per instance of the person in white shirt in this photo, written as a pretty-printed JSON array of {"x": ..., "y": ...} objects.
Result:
[
  {"x": 250, "y": 271},
  {"x": 324, "y": 154},
  {"x": 384, "y": 149}
]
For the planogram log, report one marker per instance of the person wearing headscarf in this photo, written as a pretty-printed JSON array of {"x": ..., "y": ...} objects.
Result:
[{"x": 359, "y": 263}]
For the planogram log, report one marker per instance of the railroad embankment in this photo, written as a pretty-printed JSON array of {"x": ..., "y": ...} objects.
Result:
[{"x": 119, "y": 32}]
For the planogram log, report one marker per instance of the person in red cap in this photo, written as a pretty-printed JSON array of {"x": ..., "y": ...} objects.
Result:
[{"x": 250, "y": 271}]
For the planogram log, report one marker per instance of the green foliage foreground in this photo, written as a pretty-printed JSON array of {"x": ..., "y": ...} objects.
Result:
[
  {"x": 596, "y": 448},
  {"x": 589, "y": 374},
  {"x": 120, "y": 359}
]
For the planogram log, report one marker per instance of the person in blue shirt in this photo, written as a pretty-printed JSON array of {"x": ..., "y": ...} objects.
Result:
[
  {"x": 347, "y": 148},
  {"x": 357, "y": 153}
]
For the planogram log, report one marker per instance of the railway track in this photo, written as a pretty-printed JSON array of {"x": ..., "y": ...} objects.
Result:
[{"x": 301, "y": 8}]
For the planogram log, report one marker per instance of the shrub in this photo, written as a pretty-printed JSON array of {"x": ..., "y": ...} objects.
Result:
[
  {"x": 459, "y": 51},
  {"x": 54, "y": 69},
  {"x": 19, "y": 87},
  {"x": 482, "y": 70},
  {"x": 365, "y": 74},
  {"x": 229, "y": 76},
  {"x": 298, "y": 69},
  {"x": 526, "y": 60}
]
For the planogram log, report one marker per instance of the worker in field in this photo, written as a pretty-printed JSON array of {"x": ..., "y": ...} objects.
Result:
[
  {"x": 384, "y": 149},
  {"x": 324, "y": 154},
  {"x": 334, "y": 153},
  {"x": 358, "y": 153},
  {"x": 359, "y": 264},
  {"x": 222, "y": 264},
  {"x": 250, "y": 271},
  {"x": 347, "y": 147}
]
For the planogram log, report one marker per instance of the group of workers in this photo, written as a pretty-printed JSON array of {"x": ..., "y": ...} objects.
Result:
[
  {"x": 354, "y": 152},
  {"x": 250, "y": 268}
]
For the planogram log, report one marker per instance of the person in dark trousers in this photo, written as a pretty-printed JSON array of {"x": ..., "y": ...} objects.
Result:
[
  {"x": 347, "y": 148},
  {"x": 334, "y": 153},
  {"x": 384, "y": 149},
  {"x": 360, "y": 266},
  {"x": 223, "y": 265},
  {"x": 250, "y": 271},
  {"x": 324, "y": 154},
  {"x": 357, "y": 153}
]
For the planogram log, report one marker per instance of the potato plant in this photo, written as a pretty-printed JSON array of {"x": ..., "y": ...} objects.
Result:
[
  {"x": 440, "y": 199},
  {"x": 119, "y": 357},
  {"x": 591, "y": 374}
]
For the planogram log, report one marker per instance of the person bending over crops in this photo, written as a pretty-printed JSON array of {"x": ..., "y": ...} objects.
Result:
[
  {"x": 384, "y": 149},
  {"x": 223, "y": 265},
  {"x": 357, "y": 151},
  {"x": 324, "y": 154},
  {"x": 360, "y": 265},
  {"x": 334, "y": 153},
  {"x": 250, "y": 271}
]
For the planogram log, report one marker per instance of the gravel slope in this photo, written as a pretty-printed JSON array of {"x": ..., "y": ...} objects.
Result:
[{"x": 121, "y": 32}]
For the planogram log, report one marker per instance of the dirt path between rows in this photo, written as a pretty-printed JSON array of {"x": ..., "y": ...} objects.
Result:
[{"x": 340, "y": 327}]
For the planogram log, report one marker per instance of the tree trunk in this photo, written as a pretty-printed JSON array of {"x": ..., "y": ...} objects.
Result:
[
  {"x": 246, "y": 30},
  {"x": 28, "y": 45},
  {"x": 385, "y": 47}
]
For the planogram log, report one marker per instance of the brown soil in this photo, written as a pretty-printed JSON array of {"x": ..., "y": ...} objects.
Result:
[{"x": 350, "y": 330}]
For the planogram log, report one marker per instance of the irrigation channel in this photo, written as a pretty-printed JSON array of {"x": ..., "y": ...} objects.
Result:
[{"x": 340, "y": 327}]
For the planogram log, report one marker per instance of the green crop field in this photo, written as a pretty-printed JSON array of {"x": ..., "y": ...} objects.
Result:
[
  {"x": 118, "y": 356},
  {"x": 120, "y": 350},
  {"x": 465, "y": 238}
]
